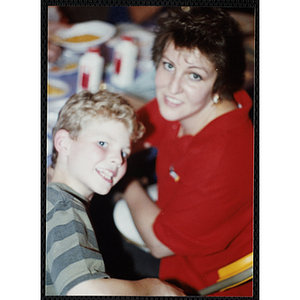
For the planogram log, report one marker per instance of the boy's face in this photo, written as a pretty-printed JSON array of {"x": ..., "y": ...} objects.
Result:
[{"x": 97, "y": 159}]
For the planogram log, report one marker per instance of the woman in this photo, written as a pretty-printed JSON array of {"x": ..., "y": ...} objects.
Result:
[{"x": 199, "y": 122}]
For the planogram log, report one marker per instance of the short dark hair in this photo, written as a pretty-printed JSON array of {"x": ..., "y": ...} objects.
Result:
[{"x": 215, "y": 34}]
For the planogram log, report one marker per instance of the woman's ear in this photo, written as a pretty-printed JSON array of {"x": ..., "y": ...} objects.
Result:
[{"x": 62, "y": 142}]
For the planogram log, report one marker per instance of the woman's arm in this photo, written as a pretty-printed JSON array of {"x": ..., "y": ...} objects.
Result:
[
  {"x": 144, "y": 212},
  {"x": 115, "y": 287}
]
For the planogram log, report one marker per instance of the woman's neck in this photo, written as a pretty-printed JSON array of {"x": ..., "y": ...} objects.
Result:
[{"x": 194, "y": 124}]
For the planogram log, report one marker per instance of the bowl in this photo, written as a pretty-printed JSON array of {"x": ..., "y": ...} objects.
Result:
[
  {"x": 57, "y": 89},
  {"x": 81, "y": 36}
]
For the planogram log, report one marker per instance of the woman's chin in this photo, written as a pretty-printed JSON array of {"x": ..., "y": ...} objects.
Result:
[{"x": 169, "y": 115}]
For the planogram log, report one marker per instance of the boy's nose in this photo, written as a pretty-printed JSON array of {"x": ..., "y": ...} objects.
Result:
[{"x": 117, "y": 158}]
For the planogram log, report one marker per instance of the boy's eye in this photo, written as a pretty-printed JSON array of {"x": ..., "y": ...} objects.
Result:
[
  {"x": 195, "y": 77},
  {"x": 103, "y": 144},
  {"x": 168, "y": 66},
  {"x": 125, "y": 154}
]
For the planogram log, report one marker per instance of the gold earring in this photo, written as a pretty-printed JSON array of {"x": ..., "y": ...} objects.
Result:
[{"x": 216, "y": 99}]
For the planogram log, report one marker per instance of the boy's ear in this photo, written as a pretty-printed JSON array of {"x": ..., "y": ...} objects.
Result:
[{"x": 62, "y": 142}]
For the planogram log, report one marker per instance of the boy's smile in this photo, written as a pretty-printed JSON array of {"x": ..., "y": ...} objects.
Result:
[
  {"x": 97, "y": 158},
  {"x": 106, "y": 174}
]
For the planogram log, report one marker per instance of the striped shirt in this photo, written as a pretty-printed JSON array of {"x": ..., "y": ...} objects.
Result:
[{"x": 72, "y": 253}]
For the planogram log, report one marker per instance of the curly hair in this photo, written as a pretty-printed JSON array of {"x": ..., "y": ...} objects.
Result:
[
  {"x": 215, "y": 34},
  {"x": 84, "y": 106}
]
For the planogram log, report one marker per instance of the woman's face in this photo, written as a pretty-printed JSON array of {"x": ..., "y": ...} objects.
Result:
[{"x": 184, "y": 81}]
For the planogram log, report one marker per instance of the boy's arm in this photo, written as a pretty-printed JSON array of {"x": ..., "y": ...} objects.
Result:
[{"x": 117, "y": 287}]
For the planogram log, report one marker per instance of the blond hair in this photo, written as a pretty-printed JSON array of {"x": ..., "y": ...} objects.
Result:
[{"x": 84, "y": 106}]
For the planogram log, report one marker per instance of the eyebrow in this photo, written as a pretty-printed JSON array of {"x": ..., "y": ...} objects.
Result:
[
  {"x": 189, "y": 67},
  {"x": 197, "y": 67},
  {"x": 164, "y": 56}
]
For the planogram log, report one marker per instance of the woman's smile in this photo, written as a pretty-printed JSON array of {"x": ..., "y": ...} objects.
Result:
[{"x": 172, "y": 102}]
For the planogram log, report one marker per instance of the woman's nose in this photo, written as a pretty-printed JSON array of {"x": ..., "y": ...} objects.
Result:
[{"x": 175, "y": 84}]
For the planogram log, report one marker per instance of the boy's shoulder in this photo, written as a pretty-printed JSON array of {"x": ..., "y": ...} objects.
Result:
[{"x": 59, "y": 193}]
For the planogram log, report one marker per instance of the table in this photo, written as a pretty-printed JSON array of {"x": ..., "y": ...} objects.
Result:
[{"x": 137, "y": 94}]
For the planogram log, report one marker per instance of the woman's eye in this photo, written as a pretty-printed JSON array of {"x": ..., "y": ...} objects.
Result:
[
  {"x": 168, "y": 66},
  {"x": 103, "y": 144},
  {"x": 195, "y": 77}
]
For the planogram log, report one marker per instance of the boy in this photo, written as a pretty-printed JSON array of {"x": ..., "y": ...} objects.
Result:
[{"x": 92, "y": 141}]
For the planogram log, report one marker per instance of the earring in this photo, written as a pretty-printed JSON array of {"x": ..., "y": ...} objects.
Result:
[{"x": 216, "y": 99}]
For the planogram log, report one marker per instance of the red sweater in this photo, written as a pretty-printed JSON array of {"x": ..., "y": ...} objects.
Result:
[{"x": 206, "y": 214}]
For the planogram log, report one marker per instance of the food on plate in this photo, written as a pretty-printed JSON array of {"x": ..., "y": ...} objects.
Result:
[
  {"x": 70, "y": 66},
  {"x": 66, "y": 67},
  {"x": 55, "y": 69},
  {"x": 54, "y": 91},
  {"x": 81, "y": 38}
]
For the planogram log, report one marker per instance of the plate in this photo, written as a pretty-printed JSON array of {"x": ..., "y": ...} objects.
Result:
[
  {"x": 57, "y": 89},
  {"x": 68, "y": 68},
  {"x": 51, "y": 122},
  {"x": 125, "y": 225},
  {"x": 56, "y": 105},
  {"x": 65, "y": 65},
  {"x": 104, "y": 31},
  {"x": 124, "y": 222}
]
